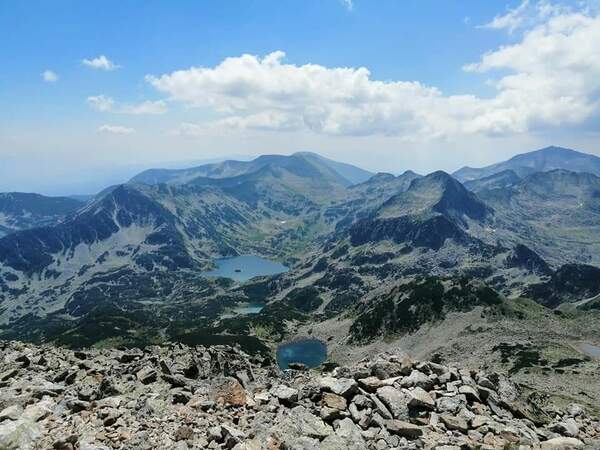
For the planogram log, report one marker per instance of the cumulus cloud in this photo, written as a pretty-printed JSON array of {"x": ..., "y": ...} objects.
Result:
[
  {"x": 49, "y": 76},
  {"x": 546, "y": 79},
  {"x": 115, "y": 129},
  {"x": 100, "y": 63},
  {"x": 107, "y": 104},
  {"x": 554, "y": 73}
]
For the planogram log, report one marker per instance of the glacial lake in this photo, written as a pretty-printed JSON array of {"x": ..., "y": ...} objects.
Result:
[
  {"x": 310, "y": 352},
  {"x": 242, "y": 268},
  {"x": 589, "y": 349},
  {"x": 243, "y": 309}
]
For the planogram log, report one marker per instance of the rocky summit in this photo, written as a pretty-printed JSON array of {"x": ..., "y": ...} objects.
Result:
[{"x": 179, "y": 397}]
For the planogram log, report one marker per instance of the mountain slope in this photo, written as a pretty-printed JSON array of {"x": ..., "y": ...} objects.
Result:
[
  {"x": 555, "y": 213},
  {"x": 363, "y": 199},
  {"x": 351, "y": 174},
  {"x": 504, "y": 179},
  {"x": 546, "y": 159},
  {"x": 133, "y": 229},
  {"x": 20, "y": 211},
  {"x": 433, "y": 209}
]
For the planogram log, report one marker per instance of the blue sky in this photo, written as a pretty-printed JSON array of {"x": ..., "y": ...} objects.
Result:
[{"x": 441, "y": 90}]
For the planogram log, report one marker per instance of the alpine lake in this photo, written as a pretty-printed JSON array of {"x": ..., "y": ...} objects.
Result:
[
  {"x": 310, "y": 352},
  {"x": 242, "y": 268}
]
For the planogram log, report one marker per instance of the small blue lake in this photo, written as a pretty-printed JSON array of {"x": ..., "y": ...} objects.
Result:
[
  {"x": 590, "y": 350},
  {"x": 242, "y": 268},
  {"x": 242, "y": 309},
  {"x": 310, "y": 352}
]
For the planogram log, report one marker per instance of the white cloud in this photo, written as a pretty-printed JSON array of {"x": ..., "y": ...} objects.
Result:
[
  {"x": 100, "y": 63},
  {"x": 115, "y": 129},
  {"x": 147, "y": 107},
  {"x": 49, "y": 76},
  {"x": 512, "y": 20},
  {"x": 554, "y": 73},
  {"x": 107, "y": 104},
  {"x": 101, "y": 103},
  {"x": 348, "y": 4},
  {"x": 547, "y": 79},
  {"x": 527, "y": 14}
]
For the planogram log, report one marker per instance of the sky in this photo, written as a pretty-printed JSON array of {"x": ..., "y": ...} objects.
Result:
[{"x": 93, "y": 92}]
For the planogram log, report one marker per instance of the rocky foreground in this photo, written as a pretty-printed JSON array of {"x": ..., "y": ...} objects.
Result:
[{"x": 193, "y": 397}]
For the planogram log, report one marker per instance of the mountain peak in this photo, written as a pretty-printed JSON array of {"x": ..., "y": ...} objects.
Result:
[
  {"x": 542, "y": 160},
  {"x": 436, "y": 193}
]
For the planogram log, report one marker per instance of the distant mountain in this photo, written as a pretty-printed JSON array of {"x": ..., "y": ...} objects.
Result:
[
  {"x": 144, "y": 245},
  {"x": 556, "y": 213},
  {"x": 362, "y": 199},
  {"x": 272, "y": 207},
  {"x": 129, "y": 231},
  {"x": 21, "y": 211},
  {"x": 500, "y": 180},
  {"x": 297, "y": 163},
  {"x": 544, "y": 160},
  {"x": 352, "y": 174}
]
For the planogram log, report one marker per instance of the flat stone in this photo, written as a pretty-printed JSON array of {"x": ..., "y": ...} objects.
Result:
[
  {"x": 334, "y": 401},
  {"x": 38, "y": 411},
  {"x": 228, "y": 391},
  {"x": 383, "y": 368},
  {"x": 419, "y": 398},
  {"x": 417, "y": 378},
  {"x": 454, "y": 423},
  {"x": 340, "y": 386},
  {"x": 18, "y": 434},
  {"x": 404, "y": 429},
  {"x": 395, "y": 400},
  {"x": 562, "y": 443},
  {"x": 450, "y": 404},
  {"x": 575, "y": 410},
  {"x": 567, "y": 427},
  {"x": 309, "y": 424},
  {"x": 11, "y": 413},
  {"x": 284, "y": 393},
  {"x": 146, "y": 375},
  {"x": 348, "y": 431},
  {"x": 371, "y": 384},
  {"x": 479, "y": 421},
  {"x": 470, "y": 393}
]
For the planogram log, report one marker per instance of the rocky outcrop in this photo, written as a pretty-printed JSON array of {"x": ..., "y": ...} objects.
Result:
[
  {"x": 430, "y": 233},
  {"x": 523, "y": 257},
  {"x": 571, "y": 282},
  {"x": 181, "y": 398}
]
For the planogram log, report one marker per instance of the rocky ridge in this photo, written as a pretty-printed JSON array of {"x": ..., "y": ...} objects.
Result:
[{"x": 182, "y": 397}]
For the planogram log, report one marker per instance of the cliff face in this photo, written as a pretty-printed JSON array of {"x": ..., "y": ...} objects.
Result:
[{"x": 181, "y": 397}]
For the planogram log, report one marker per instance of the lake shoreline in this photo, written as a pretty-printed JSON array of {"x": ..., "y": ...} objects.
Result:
[{"x": 245, "y": 267}]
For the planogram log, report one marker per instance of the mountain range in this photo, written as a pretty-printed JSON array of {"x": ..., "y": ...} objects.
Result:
[
  {"x": 544, "y": 160},
  {"x": 369, "y": 250},
  {"x": 21, "y": 211}
]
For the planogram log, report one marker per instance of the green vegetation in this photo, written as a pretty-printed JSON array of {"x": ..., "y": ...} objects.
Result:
[
  {"x": 408, "y": 306},
  {"x": 305, "y": 299}
]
